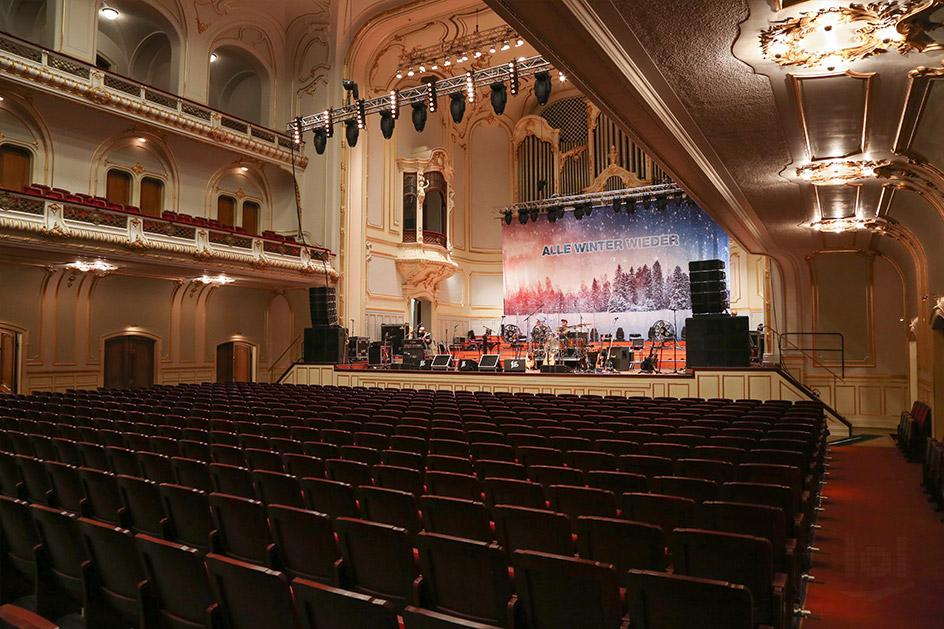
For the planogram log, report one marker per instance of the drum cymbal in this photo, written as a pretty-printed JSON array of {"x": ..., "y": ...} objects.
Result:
[{"x": 576, "y": 325}]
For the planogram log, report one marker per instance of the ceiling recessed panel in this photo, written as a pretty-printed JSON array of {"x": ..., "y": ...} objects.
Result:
[
  {"x": 834, "y": 111},
  {"x": 922, "y": 125},
  {"x": 837, "y": 201}
]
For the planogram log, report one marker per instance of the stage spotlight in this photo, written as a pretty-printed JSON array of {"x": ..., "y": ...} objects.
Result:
[
  {"x": 661, "y": 204},
  {"x": 522, "y": 216},
  {"x": 508, "y": 217},
  {"x": 552, "y": 215},
  {"x": 578, "y": 212},
  {"x": 499, "y": 97},
  {"x": 320, "y": 141},
  {"x": 419, "y": 115},
  {"x": 534, "y": 214},
  {"x": 457, "y": 106},
  {"x": 632, "y": 207},
  {"x": 542, "y": 87},
  {"x": 647, "y": 203},
  {"x": 587, "y": 209},
  {"x": 617, "y": 205},
  {"x": 351, "y": 88},
  {"x": 351, "y": 132},
  {"x": 387, "y": 123}
]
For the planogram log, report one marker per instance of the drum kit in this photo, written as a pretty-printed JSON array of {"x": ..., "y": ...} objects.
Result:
[{"x": 554, "y": 345}]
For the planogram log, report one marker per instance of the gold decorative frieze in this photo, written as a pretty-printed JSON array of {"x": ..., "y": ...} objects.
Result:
[
  {"x": 839, "y": 171},
  {"x": 838, "y": 35},
  {"x": 848, "y": 223}
]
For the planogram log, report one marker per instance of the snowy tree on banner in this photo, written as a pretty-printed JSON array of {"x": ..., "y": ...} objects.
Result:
[
  {"x": 659, "y": 300},
  {"x": 679, "y": 290},
  {"x": 644, "y": 289}
]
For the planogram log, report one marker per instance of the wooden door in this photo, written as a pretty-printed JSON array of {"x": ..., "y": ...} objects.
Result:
[
  {"x": 129, "y": 362},
  {"x": 251, "y": 216},
  {"x": 226, "y": 210},
  {"x": 118, "y": 187},
  {"x": 8, "y": 348},
  {"x": 15, "y": 167},
  {"x": 152, "y": 196},
  {"x": 234, "y": 362}
]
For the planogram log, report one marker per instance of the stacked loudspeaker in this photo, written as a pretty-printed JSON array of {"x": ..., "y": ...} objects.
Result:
[
  {"x": 325, "y": 340},
  {"x": 714, "y": 338}
]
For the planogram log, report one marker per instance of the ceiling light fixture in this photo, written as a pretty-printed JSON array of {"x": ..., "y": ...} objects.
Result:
[
  {"x": 109, "y": 13},
  {"x": 245, "y": 169},
  {"x": 831, "y": 173},
  {"x": 213, "y": 57},
  {"x": 847, "y": 224},
  {"x": 215, "y": 280},
  {"x": 474, "y": 45},
  {"x": 142, "y": 140},
  {"x": 98, "y": 266}
]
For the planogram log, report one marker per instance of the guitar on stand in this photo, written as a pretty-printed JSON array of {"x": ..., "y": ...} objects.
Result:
[
  {"x": 651, "y": 363},
  {"x": 603, "y": 361}
]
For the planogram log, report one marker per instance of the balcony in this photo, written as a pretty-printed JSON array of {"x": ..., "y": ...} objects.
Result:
[
  {"x": 70, "y": 225},
  {"x": 423, "y": 265},
  {"x": 78, "y": 81}
]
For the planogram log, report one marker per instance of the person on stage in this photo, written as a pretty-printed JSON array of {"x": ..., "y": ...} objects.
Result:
[
  {"x": 424, "y": 336},
  {"x": 486, "y": 343},
  {"x": 562, "y": 330}
]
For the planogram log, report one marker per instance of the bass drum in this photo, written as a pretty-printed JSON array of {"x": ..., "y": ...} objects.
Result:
[
  {"x": 511, "y": 333},
  {"x": 552, "y": 347}
]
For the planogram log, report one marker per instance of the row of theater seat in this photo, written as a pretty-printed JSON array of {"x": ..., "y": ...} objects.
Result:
[
  {"x": 914, "y": 431},
  {"x": 396, "y": 506},
  {"x": 61, "y": 194}
]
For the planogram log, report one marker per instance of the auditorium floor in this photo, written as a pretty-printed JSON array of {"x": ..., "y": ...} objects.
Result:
[{"x": 881, "y": 559}]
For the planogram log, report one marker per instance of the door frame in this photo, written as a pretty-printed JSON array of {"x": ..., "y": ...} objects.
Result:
[
  {"x": 21, "y": 344},
  {"x": 253, "y": 359},
  {"x": 134, "y": 332}
]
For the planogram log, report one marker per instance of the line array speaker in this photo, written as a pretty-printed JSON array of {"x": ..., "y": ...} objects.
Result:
[
  {"x": 325, "y": 344},
  {"x": 707, "y": 287},
  {"x": 323, "y": 305}
]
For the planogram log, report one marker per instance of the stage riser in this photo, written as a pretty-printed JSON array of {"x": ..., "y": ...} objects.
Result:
[{"x": 761, "y": 384}]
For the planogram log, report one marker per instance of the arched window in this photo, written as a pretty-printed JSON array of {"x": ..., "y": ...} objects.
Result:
[
  {"x": 16, "y": 167},
  {"x": 118, "y": 186},
  {"x": 226, "y": 210},
  {"x": 409, "y": 201},
  {"x": 434, "y": 203}
]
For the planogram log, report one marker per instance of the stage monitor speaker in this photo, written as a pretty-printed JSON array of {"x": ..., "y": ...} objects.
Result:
[
  {"x": 442, "y": 362},
  {"x": 554, "y": 369},
  {"x": 704, "y": 265},
  {"x": 490, "y": 362},
  {"x": 325, "y": 344},
  {"x": 375, "y": 353},
  {"x": 426, "y": 364},
  {"x": 514, "y": 364},
  {"x": 622, "y": 358},
  {"x": 717, "y": 341},
  {"x": 394, "y": 335},
  {"x": 468, "y": 364}
]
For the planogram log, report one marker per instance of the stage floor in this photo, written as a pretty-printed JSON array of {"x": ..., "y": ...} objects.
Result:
[{"x": 670, "y": 356}]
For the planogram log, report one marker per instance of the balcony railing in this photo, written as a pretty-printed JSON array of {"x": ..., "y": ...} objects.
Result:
[
  {"x": 73, "y": 77},
  {"x": 71, "y": 219},
  {"x": 429, "y": 237}
]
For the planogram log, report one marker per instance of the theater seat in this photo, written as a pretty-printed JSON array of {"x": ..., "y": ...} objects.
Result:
[
  {"x": 60, "y": 557},
  {"x": 623, "y": 544},
  {"x": 517, "y": 528},
  {"x": 378, "y": 559},
  {"x": 465, "y": 578},
  {"x": 306, "y": 544},
  {"x": 251, "y": 596},
  {"x": 415, "y": 618},
  {"x": 558, "y": 591},
  {"x": 102, "y": 496},
  {"x": 330, "y": 497},
  {"x": 241, "y": 530},
  {"x": 668, "y": 601},
  {"x": 112, "y": 596},
  {"x": 515, "y": 493},
  {"x": 580, "y": 501},
  {"x": 189, "y": 521},
  {"x": 274, "y": 488},
  {"x": 178, "y": 591},
  {"x": 320, "y": 606},
  {"x": 456, "y": 517},
  {"x": 144, "y": 507},
  {"x": 17, "y": 561}
]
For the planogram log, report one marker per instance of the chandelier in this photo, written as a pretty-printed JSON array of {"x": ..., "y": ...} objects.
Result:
[
  {"x": 215, "y": 280},
  {"x": 836, "y": 172}
]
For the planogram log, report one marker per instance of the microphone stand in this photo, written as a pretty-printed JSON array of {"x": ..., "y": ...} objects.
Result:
[{"x": 674, "y": 340}]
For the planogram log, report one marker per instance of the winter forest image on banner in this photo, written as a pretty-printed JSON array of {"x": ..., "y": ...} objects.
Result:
[{"x": 609, "y": 270}]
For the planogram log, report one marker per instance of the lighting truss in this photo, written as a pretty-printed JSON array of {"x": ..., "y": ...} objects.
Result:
[
  {"x": 628, "y": 195},
  {"x": 401, "y": 98}
]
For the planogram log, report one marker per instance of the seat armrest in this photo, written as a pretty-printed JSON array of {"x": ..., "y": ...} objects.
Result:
[{"x": 19, "y": 618}]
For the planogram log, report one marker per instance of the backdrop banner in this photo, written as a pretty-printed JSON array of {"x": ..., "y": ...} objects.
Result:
[{"x": 608, "y": 270}]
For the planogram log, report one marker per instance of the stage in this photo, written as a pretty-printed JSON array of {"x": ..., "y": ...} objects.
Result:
[{"x": 762, "y": 383}]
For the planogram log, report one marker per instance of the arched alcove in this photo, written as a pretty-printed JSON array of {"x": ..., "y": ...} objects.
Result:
[
  {"x": 27, "y": 19},
  {"x": 239, "y": 84},
  {"x": 139, "y": 169},
  {"x": 141, "y": 43}
]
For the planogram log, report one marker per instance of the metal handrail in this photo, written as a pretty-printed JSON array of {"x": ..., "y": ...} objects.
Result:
[
  {"x": 285, "y": 351},
  {"x": 841, "y": 349}
]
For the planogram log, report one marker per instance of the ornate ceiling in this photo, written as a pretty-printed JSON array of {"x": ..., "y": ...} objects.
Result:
[{"x": 778, "y": 117}]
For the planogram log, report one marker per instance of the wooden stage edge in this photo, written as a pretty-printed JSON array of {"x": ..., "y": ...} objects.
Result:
[{"x": 757, "y": 382}]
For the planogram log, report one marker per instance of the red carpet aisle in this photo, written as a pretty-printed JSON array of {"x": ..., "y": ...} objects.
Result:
[{"x": 883, "y": 559}]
